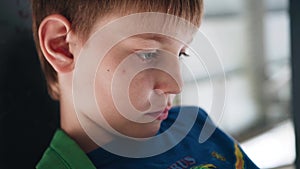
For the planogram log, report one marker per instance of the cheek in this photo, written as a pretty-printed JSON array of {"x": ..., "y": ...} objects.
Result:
[
  {"x": 104, "y": 75},
  {"x": 102, "y": 91},
  {"x": 103, "y": 81},
  {"x": 139, "y": 90}
]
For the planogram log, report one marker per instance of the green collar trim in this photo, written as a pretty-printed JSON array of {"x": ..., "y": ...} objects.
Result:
[{"x": 69, "y": 151}]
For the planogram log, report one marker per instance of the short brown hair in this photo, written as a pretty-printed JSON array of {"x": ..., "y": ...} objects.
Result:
[{"x": 82, "y": 15}]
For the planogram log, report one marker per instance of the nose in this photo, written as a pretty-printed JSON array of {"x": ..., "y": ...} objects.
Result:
[
  {"x": 168, "y": 74},
  {"x": 169, "y": 83}
]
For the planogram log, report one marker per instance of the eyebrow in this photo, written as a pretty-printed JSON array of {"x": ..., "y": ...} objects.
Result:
[
  {"x": 158, "y": 37},
  {"x": 152, "y": 36}
]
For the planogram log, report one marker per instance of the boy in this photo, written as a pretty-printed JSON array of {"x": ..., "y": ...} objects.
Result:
[{"x": 132, "y": 94}]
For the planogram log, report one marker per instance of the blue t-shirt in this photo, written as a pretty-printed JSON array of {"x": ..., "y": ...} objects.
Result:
[{"x": 218, "y": 151}]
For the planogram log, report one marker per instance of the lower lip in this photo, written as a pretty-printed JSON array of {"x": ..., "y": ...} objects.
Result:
[{"x": 163, "y": 115}]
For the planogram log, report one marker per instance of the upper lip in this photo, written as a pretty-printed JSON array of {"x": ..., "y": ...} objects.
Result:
[{"x": 156, "y": 113}]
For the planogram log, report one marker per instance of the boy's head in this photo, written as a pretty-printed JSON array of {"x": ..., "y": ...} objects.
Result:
[
  {"x": 83, "y": 14},
  {"x": 63, "y": 31}
]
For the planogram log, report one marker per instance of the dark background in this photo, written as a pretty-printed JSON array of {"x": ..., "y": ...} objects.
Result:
[{"x": 28, "y": 117}]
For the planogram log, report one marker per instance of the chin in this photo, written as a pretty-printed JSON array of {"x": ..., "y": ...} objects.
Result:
[{"x": 144, "y": 130}]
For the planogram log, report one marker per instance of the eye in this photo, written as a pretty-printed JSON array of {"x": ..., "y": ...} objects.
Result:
[{"x": 147, "y": 55}]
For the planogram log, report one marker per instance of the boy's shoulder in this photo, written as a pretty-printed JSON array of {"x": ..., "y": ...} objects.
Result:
[
  {"x": 188, "y": 116},
  {"x": 197, "y": 124},
  {"x": 219, "y": 150},
  {"x": 218, "y": 147},
  {"x": 188, "y": 109},
  {"x": 64, "y": 153}
]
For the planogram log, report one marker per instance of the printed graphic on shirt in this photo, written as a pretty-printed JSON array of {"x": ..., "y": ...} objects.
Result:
[
  {"x": 218, "y": 156},
  {"x": 206, "y": 166},
  {"x": 184, "y": 163},
  {"x": 239, "y": 164},
  {"x": 189, "y": 161}
]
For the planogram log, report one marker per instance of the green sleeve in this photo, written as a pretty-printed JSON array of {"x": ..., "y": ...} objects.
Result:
[{"x": 64, "y": 153}]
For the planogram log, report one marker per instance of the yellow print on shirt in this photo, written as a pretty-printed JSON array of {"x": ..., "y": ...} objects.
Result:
[
  {"x": 206, "y": 166},
  {"x": 239, "y": 164},
  {"x": 218, "y": 156}
]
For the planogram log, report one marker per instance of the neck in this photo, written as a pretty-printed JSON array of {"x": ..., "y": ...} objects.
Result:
[
  {"x": 71, "y": 125},
  {"x": 69, "y": 119}
]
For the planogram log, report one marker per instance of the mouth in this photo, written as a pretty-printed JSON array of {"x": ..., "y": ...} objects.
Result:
[{"x": 160, "y": 115}]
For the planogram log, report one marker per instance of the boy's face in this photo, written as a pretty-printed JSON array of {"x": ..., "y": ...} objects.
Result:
[
  {"x": 136, "y": 82},
  {"x": 150, "y": 91}
]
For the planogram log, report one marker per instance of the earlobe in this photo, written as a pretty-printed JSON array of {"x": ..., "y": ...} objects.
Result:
[{"x": 53, "y": 35}]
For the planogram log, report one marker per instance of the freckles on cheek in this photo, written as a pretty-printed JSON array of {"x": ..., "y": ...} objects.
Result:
[{"x": 103, "y": 81}]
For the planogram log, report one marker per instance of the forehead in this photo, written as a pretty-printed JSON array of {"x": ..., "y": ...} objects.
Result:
[{"x": 148, "y": 25}]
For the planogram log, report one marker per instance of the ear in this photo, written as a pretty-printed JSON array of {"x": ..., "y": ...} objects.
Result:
[{"x": 53, "y": 39}]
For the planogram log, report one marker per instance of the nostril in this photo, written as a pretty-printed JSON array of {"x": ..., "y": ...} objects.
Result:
[
  {"x": 158, "y": 91},
  {"x": 157, "y": 99}
]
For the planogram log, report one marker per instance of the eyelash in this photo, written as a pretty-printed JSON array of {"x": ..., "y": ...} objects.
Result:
[
  {"x": 144, "y": 55},
  {"x": 147, "y": 55},
  {"x": 153, "y": 54},
  {"x": 183, "y": 54}
]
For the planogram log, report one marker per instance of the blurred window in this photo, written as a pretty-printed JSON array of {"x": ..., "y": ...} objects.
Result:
[{"x": 252, "y": 39}]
